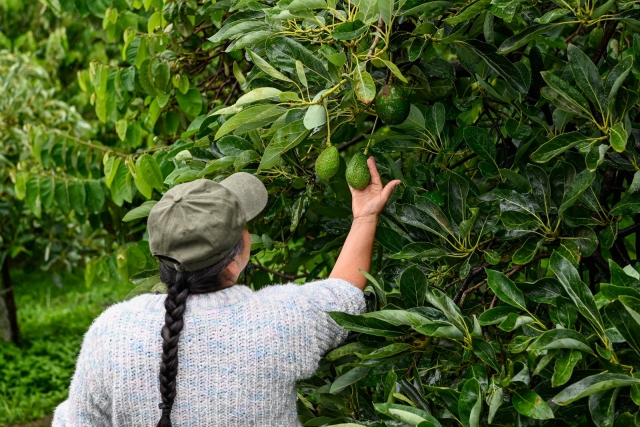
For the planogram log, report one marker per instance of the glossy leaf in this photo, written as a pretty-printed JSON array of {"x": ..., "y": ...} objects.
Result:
[
  {"x": 564, "y": 367},
  {"x": 530, "y": 404},
  {"x": 592, "y": 385}
]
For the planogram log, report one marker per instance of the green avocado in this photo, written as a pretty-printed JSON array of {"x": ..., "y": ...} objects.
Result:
[
  {"x": 358, "y": 175},
  {"x": 328, "y": 162},
  {"x": 392, "y": 104}
]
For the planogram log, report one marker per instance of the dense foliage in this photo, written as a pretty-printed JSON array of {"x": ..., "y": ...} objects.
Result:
[{"x": 505, "y": 288}]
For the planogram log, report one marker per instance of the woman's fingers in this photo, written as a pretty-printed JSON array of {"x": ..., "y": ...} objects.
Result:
[
  {"x": 386, "y": 191},
  {"x": 373, "y": 170}
]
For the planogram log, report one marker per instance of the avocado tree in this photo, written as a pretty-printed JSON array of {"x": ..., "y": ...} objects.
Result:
[{"x": 505, "y": 284}]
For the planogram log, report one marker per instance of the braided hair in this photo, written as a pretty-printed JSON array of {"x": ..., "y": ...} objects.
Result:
[{"x": 180, "y": 284}]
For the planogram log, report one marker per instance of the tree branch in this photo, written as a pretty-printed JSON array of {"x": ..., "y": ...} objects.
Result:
[{"x": 609, "y": 29}]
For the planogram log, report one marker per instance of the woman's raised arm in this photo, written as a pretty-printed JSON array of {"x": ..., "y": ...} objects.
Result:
[{"x": 367, "y": 204}]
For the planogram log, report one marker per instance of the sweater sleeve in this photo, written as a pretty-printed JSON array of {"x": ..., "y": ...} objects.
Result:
[
  {"x": 317, "y": 299},
  {"x": 89, "y": 403}
]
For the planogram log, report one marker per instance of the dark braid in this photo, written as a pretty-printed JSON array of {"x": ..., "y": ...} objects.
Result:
[{"x": 179, "y": 284}]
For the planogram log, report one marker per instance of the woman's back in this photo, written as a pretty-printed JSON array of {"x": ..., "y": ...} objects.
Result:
[{"x": 240, "y": 354}]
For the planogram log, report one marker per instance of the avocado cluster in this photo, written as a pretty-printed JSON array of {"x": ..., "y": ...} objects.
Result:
[
  {"x": 392, "y": 104},
  {"x": 357, "y": 174}
]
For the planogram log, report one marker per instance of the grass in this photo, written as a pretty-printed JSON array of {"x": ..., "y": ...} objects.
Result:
[{"x": 36, "y": 375}]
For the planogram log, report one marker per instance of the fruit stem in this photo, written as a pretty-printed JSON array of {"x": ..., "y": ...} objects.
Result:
[
  {"x": 366, "y": 149},
  {"x": 326, "y": 112}
]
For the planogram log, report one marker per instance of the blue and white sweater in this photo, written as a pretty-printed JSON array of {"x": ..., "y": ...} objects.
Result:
[{"x": 240, "y": 355}]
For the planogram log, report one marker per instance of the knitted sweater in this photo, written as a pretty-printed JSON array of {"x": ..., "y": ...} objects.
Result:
[{"x": 240, "y": 354}]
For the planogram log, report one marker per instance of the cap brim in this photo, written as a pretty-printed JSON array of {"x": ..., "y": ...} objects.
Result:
[{"x": 250, "y": 191}]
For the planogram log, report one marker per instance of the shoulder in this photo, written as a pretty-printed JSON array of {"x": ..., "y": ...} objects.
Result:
[
  {"x": 325, "y": 295},
  {"x": 128, "y": 309}
]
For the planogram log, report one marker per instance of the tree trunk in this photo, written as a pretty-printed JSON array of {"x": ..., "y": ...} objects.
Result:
[{"x": 8, "y": 312}]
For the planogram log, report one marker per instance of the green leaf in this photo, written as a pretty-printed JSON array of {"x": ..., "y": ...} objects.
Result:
[
  {"x": 366, "y": 325},
  {"x": 283, "y": 52},
  {"x": 480, "y": 142},
  {"x": 33, "y": 196},
  {"x": 121, "y": 129},
  {"x": 388, "y": 351},
  {"x": 561, "y": 338},
  {"x": 161, "y": 75},
  {"x": 148, "y": 168},
  {"x": 254, "y": 113},
  {"x": 301, "y": 76},
  {"x": 564, "y": 367},
  {"x": 602, "y": 408},
  {"x": 349, "y": 30},
  {"x": 530, "y": 404},
  {"x": 495, "y": 398},
  {"x": 399, "y": 317},
  {"x": 618, "y": 137},
  {"x": 629, "y": 205},
  {"x": 285, "y": 139},
  {"x": 62, "y": 197},
  {"x": 513, "y": 322},
  {"x": 568, "y": 93},
  {"x": 524, "y": 37},
  {"x": 413, "y": 286},
  {"x": 365, "y": 87},
  {"x": 385, "y": 7},
  {"x": 47, "y": 188},
  {"x": 141, "y": 211},
  {"x": 485, "y": 352},
  {"x": 617, "y": 76},
  {"x": 95, "y": 195},
  {"x": 587, "y": 77},
  {"x": 577, "y": 291},
  {"x": 306, "y": 5},
  {"x": 267, "y": 68},
  {"x": 232, "y": 145},
  {"x": 315, "y": 116},
  {"x": 259, "y": 94},
  {"x": 500, "y": 65},
  {"x": 580, "y": 184},
  {"x": 77, "y": 197},
  {"x": 528, "y": 250},
  {"x": 540, "y": 187},
  {"x": 620, "y": 315},
  {"x": 348, "y": 378},
  {"x": 470, "y": 404},
  {"x": 592, "y": 385},
  {"x": 505, "y": 289},
  {"x": 468, "y": 12},
  {"x": 191, "y": 102},
  {"x": 431, "y": 209},
  {"x": 557, "y": 145},
  {"x": 395, "y": 70},
  {"x": 495, "y": 315}
]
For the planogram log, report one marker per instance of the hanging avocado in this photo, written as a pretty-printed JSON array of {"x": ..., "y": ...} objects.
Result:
[
  {"x": 328, "y": 162},
  {"x": 358, "y": 175},
  {"x": 392, "y": 104}
]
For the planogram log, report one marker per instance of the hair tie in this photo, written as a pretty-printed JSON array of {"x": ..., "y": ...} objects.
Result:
[{"x": 166, "y": 409}]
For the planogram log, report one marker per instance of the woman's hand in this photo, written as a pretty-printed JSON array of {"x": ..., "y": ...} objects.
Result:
[{"x": 370, "y": 201}]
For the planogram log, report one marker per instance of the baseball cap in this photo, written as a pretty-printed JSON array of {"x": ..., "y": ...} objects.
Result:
[{"x": 198, "y": 223}]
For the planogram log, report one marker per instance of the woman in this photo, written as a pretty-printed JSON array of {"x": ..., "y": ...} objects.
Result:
[{"x": 225, "y": 356}]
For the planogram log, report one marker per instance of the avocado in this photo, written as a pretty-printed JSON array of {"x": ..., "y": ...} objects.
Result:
[
  {"x": 328, "y": 162},
  {"x": 358, "y": 175},
  {"x": 392, "y": 104}
]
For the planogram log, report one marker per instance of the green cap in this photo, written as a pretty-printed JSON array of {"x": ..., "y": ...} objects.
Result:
[{"x": 198, "y": 223}]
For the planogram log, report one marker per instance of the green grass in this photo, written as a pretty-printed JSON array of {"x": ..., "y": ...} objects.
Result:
[{"x": 36, "y": 375}]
